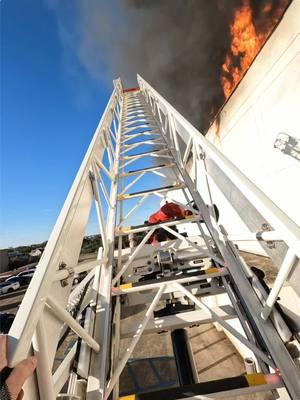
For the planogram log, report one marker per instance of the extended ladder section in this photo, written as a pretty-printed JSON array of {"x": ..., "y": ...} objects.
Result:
[{"x": 145, "y": 152}]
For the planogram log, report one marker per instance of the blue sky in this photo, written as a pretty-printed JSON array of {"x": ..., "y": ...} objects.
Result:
[
  {"x": 50, "y": 106},
  {"x": 56, "y": 79}
]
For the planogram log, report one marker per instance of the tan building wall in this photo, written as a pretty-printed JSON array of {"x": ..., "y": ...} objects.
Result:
[{"x": 3, "y": 261}]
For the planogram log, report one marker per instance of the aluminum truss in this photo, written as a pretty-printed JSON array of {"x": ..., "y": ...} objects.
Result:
[{"x": 140, "y": 125}]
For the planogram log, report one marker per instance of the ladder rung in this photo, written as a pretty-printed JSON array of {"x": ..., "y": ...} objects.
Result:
[
  {"x": 127, "y": 288},
  {"x": 148, "y": 132},
  {"x": 134, "y": 105},
  {"x": 138, "y": 120},
  {"x": 243, "y": 384},
  {"x": 154, "y": 142},
  {"x": 136, "y": 171},
  {"x": 141, "y": 228},
  {"x": 177, "y": 321},
  {"x": 149, "y": 191},
  {"x": 139, "y": 127},
  {"x": 144, "y": 153}
]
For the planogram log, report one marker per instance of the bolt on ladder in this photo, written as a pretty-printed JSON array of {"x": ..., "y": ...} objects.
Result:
[{"x": 140, "y": 127}]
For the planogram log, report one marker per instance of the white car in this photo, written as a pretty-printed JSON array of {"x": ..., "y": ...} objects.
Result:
[
  {"x": 29, "y": 272},
  {"x": 7, "y": 287}
]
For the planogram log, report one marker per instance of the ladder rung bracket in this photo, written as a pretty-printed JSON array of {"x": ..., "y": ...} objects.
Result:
[
  {"x": 77, "y": 269},
  {"x": 151, "y": 191}
]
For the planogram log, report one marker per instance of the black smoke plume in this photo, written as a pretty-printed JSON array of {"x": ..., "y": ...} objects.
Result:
[{"x": 178, "y": 46}]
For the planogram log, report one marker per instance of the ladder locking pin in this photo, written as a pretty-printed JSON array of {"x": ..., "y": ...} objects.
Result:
[
  {"x": 91, "y": 175},
  {"x": 63, "y": 266},
  {"x": 267, "y": 228}
]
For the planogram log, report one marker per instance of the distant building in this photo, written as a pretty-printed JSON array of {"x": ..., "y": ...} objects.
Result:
[
  {"x": 13, "y": 254},
  {"x": 3, "y": 261},
  {"x": 36, "y": 252}
]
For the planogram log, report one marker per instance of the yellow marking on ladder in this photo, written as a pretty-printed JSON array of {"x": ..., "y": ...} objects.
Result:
[
  {"x": 129, "y": 397},
  {"x": 189, "y": 216},
  {"x": 124, "y": 196},
  {"x": 211, "y": 270},
  {"x": 125, "y": 286},
  {"x": 256, "y": 379}
]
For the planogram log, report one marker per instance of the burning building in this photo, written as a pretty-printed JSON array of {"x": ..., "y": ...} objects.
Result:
[
  {"x": 249, "y": 31},
  {"x": 258, "y": 127}
]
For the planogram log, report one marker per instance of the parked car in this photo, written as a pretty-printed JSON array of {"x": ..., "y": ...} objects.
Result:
[
  {"x": 23, "y": 280},
  {"x": 28, "y": 272},
  {"x": 6, "y": 320},
  {"x": 7, "y": 287},
  {"x": 27, "y": 276}
]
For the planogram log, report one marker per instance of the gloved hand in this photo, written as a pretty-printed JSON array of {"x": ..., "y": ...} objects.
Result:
[{"x": 11, "y": 384}]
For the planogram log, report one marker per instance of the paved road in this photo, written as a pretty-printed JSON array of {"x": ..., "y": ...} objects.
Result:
[{"x": 10, "y": 301}]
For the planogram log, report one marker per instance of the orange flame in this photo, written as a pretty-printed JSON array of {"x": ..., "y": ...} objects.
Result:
[{"x": 246, "y": 41}]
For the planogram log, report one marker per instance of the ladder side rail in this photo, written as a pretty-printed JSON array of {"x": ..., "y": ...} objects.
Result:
[
  {"x": 102, "y": 323},
  {"x": 290, "y": 232},
  {"x": 273, "y": 342},
  {"x": 63, "y": 246},
  {"x": 246, "y": 210},
  {"x": 285, "y": 266},
  {"x": 281, "y": 222},
  {"x": 277, "y": 319}
]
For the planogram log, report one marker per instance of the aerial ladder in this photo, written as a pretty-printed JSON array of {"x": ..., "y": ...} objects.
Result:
[{"x": 141, "y": 140}]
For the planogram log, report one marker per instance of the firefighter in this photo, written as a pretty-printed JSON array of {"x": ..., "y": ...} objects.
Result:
[{"x": 167, "y": 212}]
